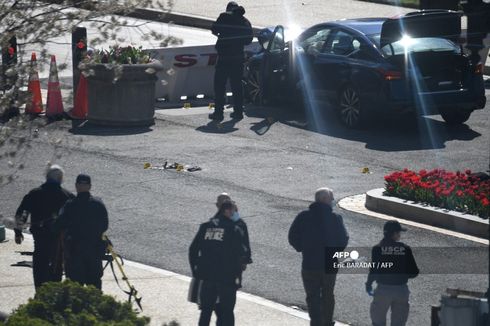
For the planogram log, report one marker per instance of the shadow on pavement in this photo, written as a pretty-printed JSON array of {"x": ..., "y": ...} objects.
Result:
[
  {"x": 383, "y": 133},
  {"x": 262, "y": 127},
  {"x": 86, "y": 128},
  {"x": 213, "y": 127}
]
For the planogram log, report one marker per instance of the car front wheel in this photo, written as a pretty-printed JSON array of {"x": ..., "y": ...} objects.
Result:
[
  {"x": 349, "y": 110},
  {"x": 253, "y": 89},
  {"x": 455, "y": 116}
]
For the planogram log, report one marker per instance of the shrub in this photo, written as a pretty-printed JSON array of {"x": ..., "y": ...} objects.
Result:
[
  {"x": 121, "y": 55},
  {"x": 458, "y": 191},
  {"x": 69, "y": 303}
]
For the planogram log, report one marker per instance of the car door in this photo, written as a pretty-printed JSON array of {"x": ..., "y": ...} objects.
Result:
[
  {"x": 274, "y": 67},
  {"x": 332, "y": 63},
  {"x": 347, "y": 58},
  {"x": 308, "y": 49}
]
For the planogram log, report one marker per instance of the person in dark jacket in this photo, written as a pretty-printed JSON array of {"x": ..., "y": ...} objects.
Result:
[
  {"x": 393, "y": 266},
  {"x": 243, "y": 228},
  {"x": 217, "y": 257},
  {"x": 318, "y": 233},
  {"x": 83, "y": 220},
  {"x": 234, "y": 32},
  {"x": 43, "y": 205}
]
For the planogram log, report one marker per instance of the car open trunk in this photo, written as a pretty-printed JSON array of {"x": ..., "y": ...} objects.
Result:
[
  {"x": 434, "y": 60},
  {"x": 434, "y": 71},
  {"x": 425, "y": 23}
]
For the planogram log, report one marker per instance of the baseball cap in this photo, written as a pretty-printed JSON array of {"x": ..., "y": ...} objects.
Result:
[
  {"x": 83, "y": 179},
  {"x": 393, "y": 226}
]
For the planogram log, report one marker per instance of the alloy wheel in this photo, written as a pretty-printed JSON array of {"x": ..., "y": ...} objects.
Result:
[
  {"x": 350, "y": 107},
  {"x": 253, "y": 87}
]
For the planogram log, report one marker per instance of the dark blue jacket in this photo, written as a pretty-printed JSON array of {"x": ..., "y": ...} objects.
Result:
[
  {"x": 217, "y": 253},
  {"x": 43, "y": 204},
  {"x": 234, "y": 31},
  {"x": 317, "y": 233},
  {"x": 83, "y": 220},
  {"x": 397, "y": 253}
]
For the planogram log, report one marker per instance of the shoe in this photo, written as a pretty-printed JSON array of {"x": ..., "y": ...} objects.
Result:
[
  {"x": 217, "y": 116},
  {"x": 237, "y": 115}
]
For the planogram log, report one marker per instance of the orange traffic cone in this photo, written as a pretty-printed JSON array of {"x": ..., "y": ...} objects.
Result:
[
  {"x": 54, "y": 104},
  {"x": 80, "y": 109},
  {"x": 35, "y": 104}
]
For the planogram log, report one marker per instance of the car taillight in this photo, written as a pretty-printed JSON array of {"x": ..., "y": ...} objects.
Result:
[
  {"x": 479, "y": 69},
  {"x": 391, "y": 74}
]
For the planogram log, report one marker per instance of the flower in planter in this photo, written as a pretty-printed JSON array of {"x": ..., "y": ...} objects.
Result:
[
  {"x": 458, "y": 191},
  {"x": 121, "y": 55}
]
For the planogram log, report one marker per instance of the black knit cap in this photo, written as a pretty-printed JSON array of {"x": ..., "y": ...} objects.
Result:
[
  {"x": 231, "y": 5},
  {"x": 83, "y": 179}
]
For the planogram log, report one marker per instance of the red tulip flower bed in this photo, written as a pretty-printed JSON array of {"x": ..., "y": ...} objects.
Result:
[{"x": 457, "y": 191}]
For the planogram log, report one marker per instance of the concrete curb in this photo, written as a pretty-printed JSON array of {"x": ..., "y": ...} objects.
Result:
[
  {"x": 175, "y": 18},
  {"x": 438, "y": 217}
]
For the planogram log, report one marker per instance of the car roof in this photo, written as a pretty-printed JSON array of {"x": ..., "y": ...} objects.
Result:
[{"x": 366, "y": 26}]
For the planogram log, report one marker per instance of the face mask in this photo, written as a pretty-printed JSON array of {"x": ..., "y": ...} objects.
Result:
[
  {"x": 235, "y": 217},
  {"x": 332, "y": 203}
]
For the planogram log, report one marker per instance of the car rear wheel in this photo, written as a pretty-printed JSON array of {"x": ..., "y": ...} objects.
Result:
[
  {"x": 252, "y": 87},
  {"x": 455, "y": 116},
  {"x": 349, "y": 110}
]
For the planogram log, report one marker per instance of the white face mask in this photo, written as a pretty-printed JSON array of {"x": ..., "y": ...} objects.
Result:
[{"x": 235, "y": 217}]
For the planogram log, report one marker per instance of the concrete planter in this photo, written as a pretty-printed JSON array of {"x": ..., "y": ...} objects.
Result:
[
  {"x": 439, "y": 217},
  {"x": 130, "y": 101}
]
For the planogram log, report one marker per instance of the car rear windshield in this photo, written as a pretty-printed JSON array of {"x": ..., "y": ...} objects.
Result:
[{"x": 412, "y": 45}]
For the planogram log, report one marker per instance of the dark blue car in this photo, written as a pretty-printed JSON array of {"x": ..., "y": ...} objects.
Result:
[{"x": 361, "y": 68}]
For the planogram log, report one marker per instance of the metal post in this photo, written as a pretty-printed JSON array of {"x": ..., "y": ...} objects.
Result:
[
  {"x": 9, "y": 58},
  {"x": 78, "y": 50}
]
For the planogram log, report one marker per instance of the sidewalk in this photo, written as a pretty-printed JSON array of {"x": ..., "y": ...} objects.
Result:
[{"x": 164, "y": 293}]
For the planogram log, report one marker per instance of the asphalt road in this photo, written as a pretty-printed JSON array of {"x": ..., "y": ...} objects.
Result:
[
  {"x": 272, "y": 172},
  {"x": 291, "y": 12}
]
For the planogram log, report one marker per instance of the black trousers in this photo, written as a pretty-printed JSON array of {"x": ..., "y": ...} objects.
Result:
[
  {"x": 319, "y": 288},
  {"x": 228, "y": 68},
  {"x": 220, "y": 298},
  {"x": 47, "y": 258},
  {"x": 85, "y": 268}
]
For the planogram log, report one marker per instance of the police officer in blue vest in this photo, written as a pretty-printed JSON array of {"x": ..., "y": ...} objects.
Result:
[{"x": 217, "y": 259}]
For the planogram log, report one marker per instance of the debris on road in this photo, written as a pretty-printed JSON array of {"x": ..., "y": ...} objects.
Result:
[
  {"x": 174, "y": 166},
  {"x": 365, "y": 170}
]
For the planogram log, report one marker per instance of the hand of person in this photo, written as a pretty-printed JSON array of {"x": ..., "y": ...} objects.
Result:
[
  {"x": 19, "y": 239},
  {"x": 369, "y": 289}
]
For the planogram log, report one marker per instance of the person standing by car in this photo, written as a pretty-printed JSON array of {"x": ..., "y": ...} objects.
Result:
[
  {"x": 216, "y": 257},
  {"x": 43, "y": 205},
  {"x": 83, "y": 220},
  {"x": 392, "y": 290},
  {"x": 318, "y": 233},
  {"x": 234, "y": 31}
]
